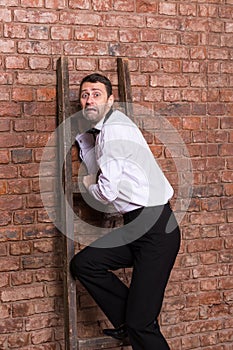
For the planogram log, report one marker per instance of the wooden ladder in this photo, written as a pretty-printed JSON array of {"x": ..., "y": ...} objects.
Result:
[{"x": 72, "y": 341}]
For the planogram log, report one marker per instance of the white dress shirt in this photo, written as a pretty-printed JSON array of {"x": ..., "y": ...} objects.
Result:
[{"x": 130, "y": 177}]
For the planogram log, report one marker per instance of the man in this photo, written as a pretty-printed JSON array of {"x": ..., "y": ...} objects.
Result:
[{"x": 131, "y": 181}]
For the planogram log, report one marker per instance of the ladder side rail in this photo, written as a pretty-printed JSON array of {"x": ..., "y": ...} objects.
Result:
[{"x": 66, "y": 204}]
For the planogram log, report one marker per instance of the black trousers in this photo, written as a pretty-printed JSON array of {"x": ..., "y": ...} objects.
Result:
[{"x": 152, "y": 257}]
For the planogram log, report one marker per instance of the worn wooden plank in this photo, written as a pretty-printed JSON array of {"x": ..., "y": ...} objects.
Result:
[
  {"x": 66, "y": 203},
  {"x": 101, "y": 343},
  {"x": 124, "y": 85}
]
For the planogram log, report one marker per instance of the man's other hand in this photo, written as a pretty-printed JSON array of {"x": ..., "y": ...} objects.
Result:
[{"x": 89, "y": 180}]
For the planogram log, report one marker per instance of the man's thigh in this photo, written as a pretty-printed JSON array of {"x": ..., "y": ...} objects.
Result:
[{"x": 104, "y": 258}]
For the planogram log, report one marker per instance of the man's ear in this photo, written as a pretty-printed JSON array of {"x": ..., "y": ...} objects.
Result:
[{"x": 110, "y": 100}]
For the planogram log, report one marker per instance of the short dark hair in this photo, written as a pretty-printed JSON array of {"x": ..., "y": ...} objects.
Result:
[{"x": 98, "y": 78}]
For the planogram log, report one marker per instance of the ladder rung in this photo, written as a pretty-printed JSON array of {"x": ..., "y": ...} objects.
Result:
[{"x": 101, "y": 343}]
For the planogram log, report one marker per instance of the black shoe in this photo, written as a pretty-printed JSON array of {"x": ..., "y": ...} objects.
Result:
[{"x": 117, "y": 333}]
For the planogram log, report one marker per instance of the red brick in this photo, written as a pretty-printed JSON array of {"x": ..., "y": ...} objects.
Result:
[
  {"x": 227, "y": 67},
  {"x": 152, "y": 67},
  {"x": 189, "y": 39},
  {"x": 29, "y": 170},
  {"x": 11, "y": 326},
  {"x": 227, "y": 176},
  {"x": 21, "y": 156},
  {"x": 21, "y": 277},
  {"x": 4, "y": 311},
  {"x": 87, "y": 34},
  {"x": 18, "y": 186},
  {"x": 169, "y": 52},
  {"x": 8, "y": 172},
  {"x": 39, "y": 62},
  {"x": 24, "y": 125},
  {"x": 54, "y": 290},
  {"x": 42, "y": 216},
  {"x": 7, "y": 46},
  {"x": 4, "y": 94},
  {"x": 42, "y": 321},
  {"x": 78, "y": 18},
  {"x": 19, "y": 340},
  {"x": 146, "y": 6},
  {"x": 208, "y": 10},
  {"x": 61, "y": 33},
  {"x": 22, "y": 293},
  {"x": 4, "y": 279},
  {"x": 11, "y": 202},
  {"x": 163, "y": 23},
  {"x": 8, "y": 264},
  {"x": 3, "y": 249},
  {"x": 168, "y": 80},
  {"x": 4, "y": 157},
  {"x": 5, "y": 218},
  {"x": 34, "y": 201},
  {"x": 46, "y": 94},
  {"x": 8, "y": 234},
  {"x": 192, "y": 123},
  {"x": 34, "y": 47},
  {"x": 22, "y": 94},
  {"x": 129, "y": 35},
  {"x": 85, "y": 49},
  {"x": 105, "y": 34},
  {"x": 101, "y": 5},
  {"x": 5, "y": 15},
  {"x": 36, "y": 79},
  {"x": 13, "y": 30},
  {"x": 122, "y": 5},
  {"x": 46, "y": 275},
  {"x": 153, "y": 95},
  {"x": 4, "y": 125},
  {"x": 191, "y": 95},
  {"x": 24, "y": 217},
  {"x": 11, "y": 141},
  {"x": 33, "y": 16},
  {"x": 39, "y": 231},
  {"x": 58, "y": 4},
  {"x": 14, "y": 62},
  {"x": 38, "y": 32},
  {"x": 33, "y": 3},
  {"x": 124, "y": 21},
  {"x": 149, "y": 35},
  {"x": 215, "y": 164},
  {"x": 43, "y": 336},
  {"x": 36, "y": 140},
  {"x": 20, "y": 248},
  {"x": 10, "y": 109},
  {"x": 170, "y": 38},
  {"x": 167, "y": 8},
  {"x": 187, "y": 9},
  {"x": 226, "y": 123},
  {"x": 45, "y": 124},
  {"x": 43, "y": 246}
]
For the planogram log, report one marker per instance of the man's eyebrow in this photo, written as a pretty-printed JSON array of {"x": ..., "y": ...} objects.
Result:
[{"x": 93, "y": 89}]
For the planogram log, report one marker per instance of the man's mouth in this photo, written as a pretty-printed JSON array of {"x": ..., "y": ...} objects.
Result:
[{"x": 90, "y": 109}]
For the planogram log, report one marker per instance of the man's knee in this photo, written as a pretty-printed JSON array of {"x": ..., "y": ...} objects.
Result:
[
  {"x": 83, "y": 263},
  {"x": 78, "y": 265}
]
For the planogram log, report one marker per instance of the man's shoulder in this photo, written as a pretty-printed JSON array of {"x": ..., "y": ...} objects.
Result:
[{"x": 118, "y": 117}]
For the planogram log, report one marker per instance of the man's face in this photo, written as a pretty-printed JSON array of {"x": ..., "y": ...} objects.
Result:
[{"x": 94, "y": 101}]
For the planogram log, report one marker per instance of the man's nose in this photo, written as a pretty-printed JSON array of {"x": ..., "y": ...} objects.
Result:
[{"x": 89, "y": 99}]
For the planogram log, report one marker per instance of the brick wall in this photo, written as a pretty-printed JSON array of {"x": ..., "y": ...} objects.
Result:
[{"x": 181, "y": 62}]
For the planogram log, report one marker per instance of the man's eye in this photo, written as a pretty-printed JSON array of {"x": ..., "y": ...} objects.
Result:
[
  {"x": 97, "y": 94},
  {"x": 85, "y": 96}
]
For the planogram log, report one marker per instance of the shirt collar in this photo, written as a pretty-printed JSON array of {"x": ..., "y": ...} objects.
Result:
[{"x": 99, "y": 125}]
